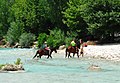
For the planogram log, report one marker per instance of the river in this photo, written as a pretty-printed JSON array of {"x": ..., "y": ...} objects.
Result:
[{"x": 58, "y": 69}]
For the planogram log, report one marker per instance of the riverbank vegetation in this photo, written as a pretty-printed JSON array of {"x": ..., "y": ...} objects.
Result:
[{"x": 58, "y": 21}]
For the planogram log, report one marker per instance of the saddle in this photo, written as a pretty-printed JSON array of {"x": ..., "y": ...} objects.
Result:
[
  {"x": 76, "y": 49},
  {"x": 46, "y": 51}
]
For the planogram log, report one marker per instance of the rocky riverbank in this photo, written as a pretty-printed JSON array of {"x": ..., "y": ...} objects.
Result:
[{"x": 108, "y": 52}]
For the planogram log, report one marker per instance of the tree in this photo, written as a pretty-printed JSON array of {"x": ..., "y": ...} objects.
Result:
[
  {"x": 56, "y": 16},
  {"x": 14, "y": 32},
  {"x": 4, "y": 16},
  {"x": 73, "y": 17},
  {"x": 33, "y": 14},
  {"x": 103, "y": 17}
]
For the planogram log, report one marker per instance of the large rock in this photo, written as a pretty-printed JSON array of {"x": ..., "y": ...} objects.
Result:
[{"x": 11, "y": 67}]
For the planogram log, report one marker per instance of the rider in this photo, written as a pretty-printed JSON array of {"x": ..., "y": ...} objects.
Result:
[
  {"x": 73, "y": 44},
  {"x": 45, "y": 47}
]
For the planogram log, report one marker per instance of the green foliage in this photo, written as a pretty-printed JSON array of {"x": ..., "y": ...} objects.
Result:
[
  {"x": 73, "y": 18},
  {"x": 56, "y": 38},
  {"x": 14, "y": 32},
  {"x": 18, "y": 61},
  {"x": 102, "y": 17},
  {"x": 41, "y": 39},
  {"x": 32, "y": 13},
  {"x": 70, "y": 36},
  {"x": 67, "y": 41},
  {"x": 26, "y": 39},
  {"x": 96, "y": 17},
  {"x": 56, "y": 7},
  {"x": 1, "y": 65},
  {"x": 4, "y": 17}
]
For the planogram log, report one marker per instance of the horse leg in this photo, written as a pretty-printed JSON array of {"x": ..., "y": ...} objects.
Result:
[
  {"x": 50, "y": 56},
  {"x": 40, "y": 56},
  {"x": 66, "y": 53},
  {"x": 35, "y": 55},
  {"x": 50, "y": 52},
  {"x": 69, "y": 55},
  {"x": 55, "y": 51},
  {"x": 78, "y": 54},
  {"x": 73, "y": 55}
]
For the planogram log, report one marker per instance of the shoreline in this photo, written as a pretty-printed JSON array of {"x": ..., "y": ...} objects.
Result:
[
  {"x": 101, "y": 52},
  {"x": 107, "y": 52}
]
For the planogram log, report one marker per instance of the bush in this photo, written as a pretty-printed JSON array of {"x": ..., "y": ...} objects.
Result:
[
  {"x": 14, "y": 33},
  {"x": 70, "y": 36},
  {"x": 18, "y": 61},
  {"x": 41, "y": 39},
  {"x": 26, "y": 39},
  {"x": 68, "y": 41},
  {"x": 56, "y": 38},
  {"x": 1, "y": 65}
]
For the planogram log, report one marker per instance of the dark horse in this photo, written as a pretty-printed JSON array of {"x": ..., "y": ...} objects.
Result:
[
  {"x": 48, "y": 53},
  {"x": 71, "y": 49}
]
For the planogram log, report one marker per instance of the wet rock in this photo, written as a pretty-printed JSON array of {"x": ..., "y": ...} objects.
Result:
[
  {"x": 11, "y": 67},
  {"x": 94, "y": 68},
  {"x": 62, "y": 47}
]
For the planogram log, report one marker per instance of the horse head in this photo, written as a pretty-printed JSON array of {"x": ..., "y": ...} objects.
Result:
[{"x": 53, "y": 49}]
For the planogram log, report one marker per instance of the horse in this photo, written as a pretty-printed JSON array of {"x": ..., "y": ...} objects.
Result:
[
  {"x": 71, "y": 49},
  {"x": 48, "y": 53}
]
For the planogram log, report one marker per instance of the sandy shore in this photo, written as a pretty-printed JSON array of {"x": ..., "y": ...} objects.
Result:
[{"x": 108, "y": 52}]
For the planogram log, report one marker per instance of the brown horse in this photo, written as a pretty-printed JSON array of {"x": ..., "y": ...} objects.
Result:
[
  {"x": 48, "y": 53},
  {"x": 71, "y": 49}
]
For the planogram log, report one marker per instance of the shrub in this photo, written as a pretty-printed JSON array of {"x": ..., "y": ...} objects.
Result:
[
  {"x": 70, "y": 36},
  {"x": 41, "y": 39},
  {"x": 1, "y": 65},
  {"x": 18, "y": 61},
  {"x": 26, "y": 39},
  {"x": 14, "y": 33},
  {"x": 68, "y": 41},
  {"x": 56, "y": 38}
]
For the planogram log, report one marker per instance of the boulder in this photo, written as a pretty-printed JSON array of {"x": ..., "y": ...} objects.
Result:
[
  {"x": 11, "y": 67},
  {"x": 62, "y": 47},
  {"x": 94, "y": 68}
]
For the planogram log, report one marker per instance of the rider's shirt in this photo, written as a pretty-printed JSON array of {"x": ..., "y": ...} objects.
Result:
[{"x": 73, "y": 43}]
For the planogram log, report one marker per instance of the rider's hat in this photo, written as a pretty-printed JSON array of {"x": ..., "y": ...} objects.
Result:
[{"x": 45, "y": 42}]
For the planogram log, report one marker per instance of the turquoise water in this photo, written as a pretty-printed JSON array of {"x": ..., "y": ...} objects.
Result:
[{"x": 58, "y": 69}]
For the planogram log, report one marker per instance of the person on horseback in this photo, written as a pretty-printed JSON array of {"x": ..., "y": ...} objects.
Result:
[
  {"x": 73, "y": 44},
  {"x": 45, "y": 47}
]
